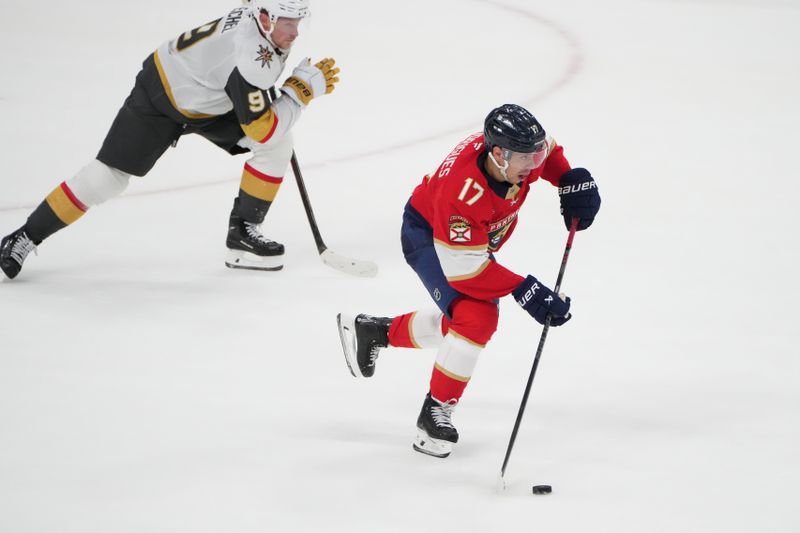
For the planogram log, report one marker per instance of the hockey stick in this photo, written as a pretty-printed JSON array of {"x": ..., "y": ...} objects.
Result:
[
  {"x": 355, "y": 267},
  {"x": 501, "y": 484}
]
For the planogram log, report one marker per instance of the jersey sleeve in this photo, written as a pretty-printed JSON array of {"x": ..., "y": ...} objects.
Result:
[
  {"x": 556, "y": 164},
  {"x": 257, "y": 68},
  {"x": 260, "y": 119},
  {"x": 461, "y": 240}
]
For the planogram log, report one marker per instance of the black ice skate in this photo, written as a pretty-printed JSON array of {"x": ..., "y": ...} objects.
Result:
[
  {"x": 435, "y": 431},
  {"x": 14, "y": 249},
  {"x": 248, "y": 248},
  {"x": 362, "y": 339}
]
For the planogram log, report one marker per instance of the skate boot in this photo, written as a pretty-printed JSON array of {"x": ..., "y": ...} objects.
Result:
[
  {"x": 362, "y": 339},
  {"x": 249, "y": 249},
  {"x": 435, "y": 431},
  {"x": 14, "y": 248}
]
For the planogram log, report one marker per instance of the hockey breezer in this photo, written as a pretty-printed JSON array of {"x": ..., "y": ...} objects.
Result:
[{"x": 354, "y": 267}]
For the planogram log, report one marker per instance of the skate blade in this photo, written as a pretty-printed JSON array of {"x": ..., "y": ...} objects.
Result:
[
  {"x": 347, "y": 334},
  {"x": 248, "y": 261},
  {"x": 430, "y": 446}
]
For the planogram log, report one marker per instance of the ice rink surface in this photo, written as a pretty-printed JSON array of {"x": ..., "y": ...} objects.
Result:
[{"x": 145, "y": 387}]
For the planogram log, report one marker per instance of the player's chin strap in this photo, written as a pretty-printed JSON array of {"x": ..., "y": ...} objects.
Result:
[
  {"x": 503, "y": 168},
  {"x": 266, "y": 34}
]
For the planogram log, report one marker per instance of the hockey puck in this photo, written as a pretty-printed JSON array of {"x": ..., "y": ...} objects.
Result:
[{"x": 542, "y": 489}]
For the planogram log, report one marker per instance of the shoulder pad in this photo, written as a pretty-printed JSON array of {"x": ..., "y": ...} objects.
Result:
[{"x": 257, "y": 59}]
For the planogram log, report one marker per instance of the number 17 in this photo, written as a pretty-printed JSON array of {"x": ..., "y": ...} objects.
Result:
[{"x": 476, "y": 186}]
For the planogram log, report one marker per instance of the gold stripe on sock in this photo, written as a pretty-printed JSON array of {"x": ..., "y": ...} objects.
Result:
[{"x": 64, "y": 208}]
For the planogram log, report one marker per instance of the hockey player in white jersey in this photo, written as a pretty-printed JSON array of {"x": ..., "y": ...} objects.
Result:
[{"x": 212, "y": 81}]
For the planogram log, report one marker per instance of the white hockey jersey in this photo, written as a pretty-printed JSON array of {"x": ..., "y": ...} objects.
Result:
[
  {"x": 198, "y": 64},
  {"x": 227, "y": 64}
]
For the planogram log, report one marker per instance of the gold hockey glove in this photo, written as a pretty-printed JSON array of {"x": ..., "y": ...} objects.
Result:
[{"x": 309, "y": 81}]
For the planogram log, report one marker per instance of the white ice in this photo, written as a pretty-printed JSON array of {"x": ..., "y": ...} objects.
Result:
[{"x": 145, "y": 387}]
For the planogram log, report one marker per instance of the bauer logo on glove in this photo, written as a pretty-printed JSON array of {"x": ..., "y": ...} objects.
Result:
[
  {"x": 529, "y": 294},
  {"x": 579, "y": 197},
  {"x": 585, "y": 186},
  {"x": 539, "y": 301}
]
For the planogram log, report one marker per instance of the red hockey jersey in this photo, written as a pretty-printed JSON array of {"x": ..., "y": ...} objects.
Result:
[{"x": 473, "y": 215}]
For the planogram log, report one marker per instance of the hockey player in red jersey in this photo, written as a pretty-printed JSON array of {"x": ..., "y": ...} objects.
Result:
[
  {"x": 212, "y": 81},
  {"x": 455, "y": 221}
]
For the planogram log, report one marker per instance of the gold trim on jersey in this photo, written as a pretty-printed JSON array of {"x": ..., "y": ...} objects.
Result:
[
  {"x": 463, "y": 338},
  {"x": 168, "y": 90},
  {"x": 512, "y": 192},
  {"x": 551, "y": 145},
  {"x": 471, "y": 275},
  {"x": 411, "y": 330},
  {"x": 261, "y": 128},
  {"x": 63, "y": 206},
  {"x": 261, "y": 186},
  {"x": 449, "y": 374}
]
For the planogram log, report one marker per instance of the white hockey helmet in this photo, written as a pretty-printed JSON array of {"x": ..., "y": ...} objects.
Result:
[{"x": 294, "y": 9}]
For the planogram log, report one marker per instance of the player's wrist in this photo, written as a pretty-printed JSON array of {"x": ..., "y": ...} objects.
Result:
[{"x": 298, "y": 90}]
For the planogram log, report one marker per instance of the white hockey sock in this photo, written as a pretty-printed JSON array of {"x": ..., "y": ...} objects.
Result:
[
  {"x": 457, "y": 357},
  {"x": 425, "y": 329},
  {"x": 97, "y": 182}
]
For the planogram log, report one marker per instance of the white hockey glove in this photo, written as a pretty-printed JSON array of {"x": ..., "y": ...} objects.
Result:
[{"x": 309, "y": 81}]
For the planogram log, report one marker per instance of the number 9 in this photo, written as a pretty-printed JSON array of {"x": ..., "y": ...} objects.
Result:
[{"x": 257, "y": 101}]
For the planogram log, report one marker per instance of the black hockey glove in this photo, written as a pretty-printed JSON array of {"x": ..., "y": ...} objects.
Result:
[
  {"x": 538, "y": 301},
  {"x": 579, "y": 197}
]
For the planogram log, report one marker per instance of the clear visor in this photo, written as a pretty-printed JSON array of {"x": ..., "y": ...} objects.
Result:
[{"x": 528, "y": 159}]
